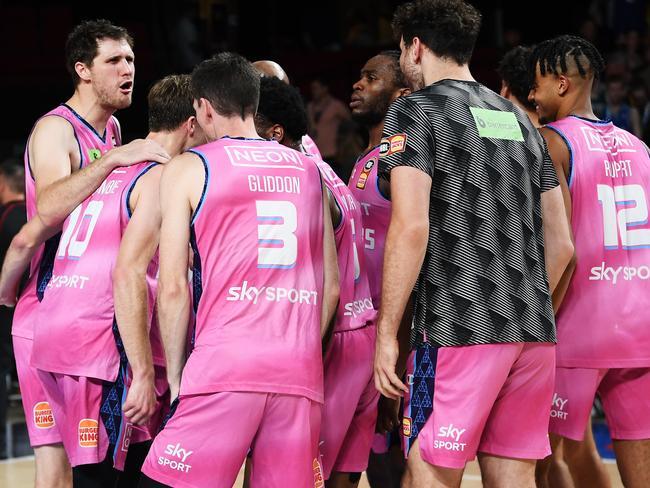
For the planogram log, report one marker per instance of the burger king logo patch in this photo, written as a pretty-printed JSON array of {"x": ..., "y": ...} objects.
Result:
[
  {"x": 406, "y": 427},
  {"x": 365, "y": 172},
  {"x": 318, "y": 474},
  {"x": 88, "y": 433},
  {"x": 393, "y": 144},
  {"x": 43, "y": 417}
]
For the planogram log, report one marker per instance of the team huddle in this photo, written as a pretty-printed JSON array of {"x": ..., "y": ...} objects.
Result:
[{"x": 215, "y": 294}]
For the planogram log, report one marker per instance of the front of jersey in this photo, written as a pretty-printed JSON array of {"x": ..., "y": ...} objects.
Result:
[
  {"x": 375, "y": 210},
  {"x": 355, "y": 308},
  {"x": 74, "y": 333},
  {"x": 603, "y": 322},
  {"x": 91, "y": 147},
  {"x": 257, "y": 236}
]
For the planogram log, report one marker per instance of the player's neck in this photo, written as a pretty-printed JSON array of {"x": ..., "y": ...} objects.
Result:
[
  {"x": 374, "y": 135},
  {"x": 235, "y": 127},
  {"x": 172, "y": 142},
  {"x": 435, "y": 69},
  {"x": 88, "y": 107},
  {"x": 580, "y": 107}
]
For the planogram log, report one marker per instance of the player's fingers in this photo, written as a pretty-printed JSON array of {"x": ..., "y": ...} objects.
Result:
[
  {"x": 396, "y": 382},
  {"x": 386, "y": 388}
]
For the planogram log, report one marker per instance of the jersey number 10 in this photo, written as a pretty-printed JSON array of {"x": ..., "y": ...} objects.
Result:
[{"x": 75, "y": 238}]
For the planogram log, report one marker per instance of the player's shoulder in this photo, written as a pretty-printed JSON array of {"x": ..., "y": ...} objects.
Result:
[{"x": 53, "y": 124}]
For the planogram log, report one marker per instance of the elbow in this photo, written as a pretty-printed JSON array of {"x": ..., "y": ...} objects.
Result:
[
  {"x": 123, "y": 274},
  {"x": 333, "y": 292},
  {"x": 416, "y": 232},
  {"x": 23, "y": 241},
  {"x": 48, "y": 218},
  {"x": 172, "y": 290}
]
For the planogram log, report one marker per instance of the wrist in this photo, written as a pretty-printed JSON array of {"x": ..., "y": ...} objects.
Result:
[
  {"x": 143, "y": 373},
  {"x": 108, "y": 161}
]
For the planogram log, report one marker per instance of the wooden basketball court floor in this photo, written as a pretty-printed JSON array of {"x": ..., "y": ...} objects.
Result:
[{"x": 19, "y": 473}]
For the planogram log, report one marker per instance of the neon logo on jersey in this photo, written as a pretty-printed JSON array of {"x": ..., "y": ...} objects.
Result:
[{"x": 615, "y": 142}]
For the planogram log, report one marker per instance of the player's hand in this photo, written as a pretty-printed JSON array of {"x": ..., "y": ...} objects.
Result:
[
  {"x": 8, "y": 300},
  {"x": 8, "y": 293},
  {"x": 137, "y": 151},
  {"x": 386, "y": 381},
  {"x": 140, "y": 402},
  {"x": 387, "y": 415}
]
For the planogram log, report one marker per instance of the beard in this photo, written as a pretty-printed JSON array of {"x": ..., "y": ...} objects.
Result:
[
  {"x": 375, "y": 111},
  {"x": 414, "y": 77},
  {"x": 113, "y": 99}
]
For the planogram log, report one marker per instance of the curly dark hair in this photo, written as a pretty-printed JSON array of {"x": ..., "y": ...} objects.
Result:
[
  {"x": 282, "y": 104},
  {"x": 448, "y": 27},
  {"x": 81, "y": 45},
  {"x": 552, "y": 56},
  {"x": 516, "y": 74}
]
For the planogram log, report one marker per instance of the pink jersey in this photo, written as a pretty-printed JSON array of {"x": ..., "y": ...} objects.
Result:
[
  {"x": 257, "y": 236},
  {"x": 73, "y": 333},
  {"x": 91, "y": 147},
  {"x": 355, "y": 305},
  {"x": 375, "y": 210},
  {"x": 602, "y": 322},
  {"x": 310, "y": 147}
]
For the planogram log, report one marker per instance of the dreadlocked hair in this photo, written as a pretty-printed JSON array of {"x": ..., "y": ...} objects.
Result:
[{"x": 554, "y": 53}]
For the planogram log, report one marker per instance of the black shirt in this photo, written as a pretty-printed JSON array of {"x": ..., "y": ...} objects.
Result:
[{"x": 483, "y": 279}]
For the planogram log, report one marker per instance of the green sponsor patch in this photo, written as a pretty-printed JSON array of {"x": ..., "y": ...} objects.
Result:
[
  {"x": 94, "y": 154},
  {"x": 497, "y": 124}
]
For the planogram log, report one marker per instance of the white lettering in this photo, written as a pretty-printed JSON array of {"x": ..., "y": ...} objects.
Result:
[
  {"x": 613, "y": 274},
  {"x": 253, "y": 294}
]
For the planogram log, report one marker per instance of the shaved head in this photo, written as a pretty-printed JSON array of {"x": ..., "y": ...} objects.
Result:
[{"x": 271, "y": 68}]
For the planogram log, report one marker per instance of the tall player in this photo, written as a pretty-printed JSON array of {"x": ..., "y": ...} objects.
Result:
[
  {"x": 265, "y": 279},
  {"x": 350, "y": 408},
  {"x": 381, "y": 82},
  {"x": 470, "y": 181},
  {"x": 604, "y": 172},
  {"x": 273, "y": 69},
  {"x": 69, "y": 153}
]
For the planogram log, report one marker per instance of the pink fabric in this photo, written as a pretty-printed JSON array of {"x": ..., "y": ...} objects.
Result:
[
  {"x": 492, "y": 398},
  {"x": 355, "y": 305},
  {"x": 280, "y": 430},
  {"x": 350, "y": 408},
  {"x": 310, "y": 147},
  {"x": 603, "y": 321},
  {"x": 76, "y": 403},
  {"x": 623, "y": 392},
  {"x": 42, "y": 427},
  {"x": 74, "y": 321},
  {"x": 375, "y": 211},
  {"x": 259, "y": 263},
  {"x": 88, "y": 140},
  {"x": 147, "y": 432}
]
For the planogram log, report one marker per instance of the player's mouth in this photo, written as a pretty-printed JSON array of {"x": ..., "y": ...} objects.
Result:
[
  {"x": 355, "y": 101},
  {"x": 126, "y": 87}
]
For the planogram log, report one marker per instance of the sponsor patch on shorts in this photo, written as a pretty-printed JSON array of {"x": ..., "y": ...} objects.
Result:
[
  {"x": 393, "y": 144},
  {"x": 88, "y": 433},
  {"x": 318, "y": 474},
  {"x": 43, "y": 417}
]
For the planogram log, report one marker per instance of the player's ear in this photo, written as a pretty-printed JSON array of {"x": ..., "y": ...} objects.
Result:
[
  {"x": 505, "y": 91},
  {"x": 403, "y": 92},
  {"x": 416, "y": 50},
  {"x": 82, "y": 71},
  {"x": 191, "y": 125},
  {"x": 277, "y": 133},
  {"x": 563, "y": 85}
]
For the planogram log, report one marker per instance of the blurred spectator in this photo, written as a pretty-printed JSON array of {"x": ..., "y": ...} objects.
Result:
[
  {"x": 185, "y": 38},
  {"x": 325, "y": 115},
  {"x": 640, "y": 99},
  {"x": 632, "y": 43},
  {"x": 618, "y": 110},
  {"x": 350, "y": 143},
  {"x": 12, "y": 218}
]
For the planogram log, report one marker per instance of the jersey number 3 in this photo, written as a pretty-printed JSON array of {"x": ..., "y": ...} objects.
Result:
[{"x": 277, "y": 222}]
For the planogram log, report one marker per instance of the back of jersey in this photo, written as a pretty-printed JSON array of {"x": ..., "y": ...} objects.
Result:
[
  {"x": 602, "y": 322},
  {"x": 257, "y": 235},
  {"x": 355, "y": 308}
]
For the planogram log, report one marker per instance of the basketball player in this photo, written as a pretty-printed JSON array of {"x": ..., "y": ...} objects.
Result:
[
  {"x": 604, "y": 173},
  {"x": 516, "y": 80},
  {"x": 264, "y": 282},
  {"x": 380, "y": 83},
  {"x": 60, "y": 150},
  {"x": 470, "y": 181},
  {"x": 271, "y": 68},
  {"x": 350, "y": 408}
]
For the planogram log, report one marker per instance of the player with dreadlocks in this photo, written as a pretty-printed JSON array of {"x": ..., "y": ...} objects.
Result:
[{"x": 603, "y": 337}]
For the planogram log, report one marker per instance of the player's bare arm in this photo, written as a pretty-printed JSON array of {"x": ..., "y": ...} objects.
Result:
[
  {"x": 130, "y": 293},
  {"x": 19, "y": 254},
  {"x": 560, "y": 156},
  {"x": 330, "y": 266},
  {"x": 179, "y": 196},
  {"x": 54, "y": 155},
  {"x": 406, "y": 244}
]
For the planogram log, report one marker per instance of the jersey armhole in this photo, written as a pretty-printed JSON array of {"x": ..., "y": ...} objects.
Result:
[
  {"x": 206, "y": 168},
  {"x": 127, "y": 200},
  {"x": 570, "y": 148}
]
